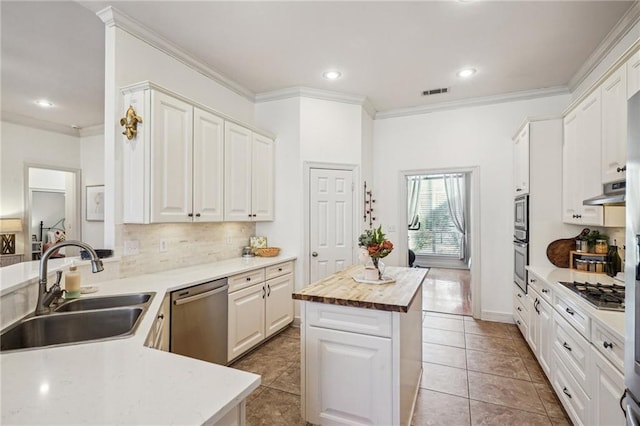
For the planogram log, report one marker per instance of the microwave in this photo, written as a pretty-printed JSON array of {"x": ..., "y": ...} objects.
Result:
[{"x": 521, "y": 215}]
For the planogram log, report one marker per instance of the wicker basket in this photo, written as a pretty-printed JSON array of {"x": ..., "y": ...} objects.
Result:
[{"x": 268, "y": 251}]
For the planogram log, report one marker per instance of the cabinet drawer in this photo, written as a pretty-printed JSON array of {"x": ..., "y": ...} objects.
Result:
[
  {"x": 357, "y": 320},
  {"x": 573, "y": 398},
  {"x": 608, "y": 345},
  {"x": 278, "y": 270},
  {"x": 521, "y": 296},
  {"x": 573, "y": 315},
  {"x": 245, "y": 280},
  {"x": 540, "y": 286},
  {"x": 522, "y": 324},
  {"x": 572, "y": 349}
]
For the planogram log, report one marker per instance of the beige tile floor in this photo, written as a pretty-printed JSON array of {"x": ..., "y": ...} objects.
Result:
[
  {"x": 447, "y": 291},
  {"x": 475, "y": 373}
]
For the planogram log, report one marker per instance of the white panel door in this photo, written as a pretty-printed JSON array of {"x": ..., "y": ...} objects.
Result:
[
  {"x": 208, "y": 167},
  {"x": 279, "y": 307},
  {"x": 349, "y": 376},
  {"x": 545, "y": 342},
  {"x": 330, "y": 221},
  {"x": 262, "y": 188},
  {"x": 246, "y": 319},
  {"x": 589, "y": 156},
  {"x": 237, "y": 173},
  {"x": 570, "y": 168},
  {"x": 171, "y": 159},
  {"x": 614, "y": 126}
]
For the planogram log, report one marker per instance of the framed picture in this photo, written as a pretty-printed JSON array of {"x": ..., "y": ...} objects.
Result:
[{"x": 95, "y": 203}]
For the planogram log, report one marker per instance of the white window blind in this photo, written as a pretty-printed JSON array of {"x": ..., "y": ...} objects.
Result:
[{"x": 438, "y": 235}]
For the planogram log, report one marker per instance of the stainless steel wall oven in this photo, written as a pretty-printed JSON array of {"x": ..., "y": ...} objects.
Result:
[{"x": 521, "y": 241}]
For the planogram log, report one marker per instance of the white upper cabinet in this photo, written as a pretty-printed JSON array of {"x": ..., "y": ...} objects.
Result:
[
  {"x": 188, "y": 164},
  {"x": 521, "y": 162},
  {"x": 249, "y": 175},
  {"x": 581, "y": 162},
  {"x": 633, "y": 75},
  {"x": 614, "y": 126},
  {"x": 171, "y": 159},
  {"x": 208, "y": 166}
]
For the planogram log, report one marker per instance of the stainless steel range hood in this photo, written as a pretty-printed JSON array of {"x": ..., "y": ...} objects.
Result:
[{"x": 612, "y": 193}]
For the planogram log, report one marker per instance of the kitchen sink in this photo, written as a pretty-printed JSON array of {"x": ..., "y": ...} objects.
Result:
[
  {"x": 105, "y": 302},
  {"x": 73, "y": 327}
]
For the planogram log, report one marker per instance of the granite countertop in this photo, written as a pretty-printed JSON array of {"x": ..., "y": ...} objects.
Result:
[
  {"x": 341, "y": 289},
  {"x": 121, "y": 381},
  {"x": 613, "y": 321}
]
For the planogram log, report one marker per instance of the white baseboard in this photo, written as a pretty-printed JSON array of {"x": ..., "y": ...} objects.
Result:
[
  {"x": 296, "y": 322},
  {"x": 497, "y": 316}
]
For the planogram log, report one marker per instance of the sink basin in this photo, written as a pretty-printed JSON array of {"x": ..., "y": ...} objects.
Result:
[
  {"x": 63, "y": 329},
  {"x": 105, "y": 302}
]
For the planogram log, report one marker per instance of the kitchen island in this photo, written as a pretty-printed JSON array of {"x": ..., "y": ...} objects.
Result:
[{"x": 361, "y": 348}]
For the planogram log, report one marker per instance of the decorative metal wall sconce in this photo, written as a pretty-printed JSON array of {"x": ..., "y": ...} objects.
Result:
[
  {"x": 368, "y": 206},
  {"x": 130, "y": 122}
]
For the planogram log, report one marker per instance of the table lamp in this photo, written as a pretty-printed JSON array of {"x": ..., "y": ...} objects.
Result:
[{"x": 8, "y": 227}]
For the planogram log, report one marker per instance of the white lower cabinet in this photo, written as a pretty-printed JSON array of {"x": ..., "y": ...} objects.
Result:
[
  {"x": 540, "y": 329},
  {"x": 573, "y": 397},
  {"x": 259, "y": 308},
  {"x": 607, "y": 388},
  {"x": 351, "y": 378},
  {"x": 158, "y": 337}
]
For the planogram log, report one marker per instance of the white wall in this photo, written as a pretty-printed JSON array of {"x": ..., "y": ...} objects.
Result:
[
  {"x": 20, "y": 145},
  {"x": 92, "y": 162},
  {"x": 466, "y": 137}
]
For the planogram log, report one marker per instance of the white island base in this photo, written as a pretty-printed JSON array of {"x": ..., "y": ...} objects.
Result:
[{"x": 360, "y": 365}]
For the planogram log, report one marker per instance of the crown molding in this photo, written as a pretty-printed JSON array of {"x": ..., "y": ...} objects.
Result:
[
  {"x": 23, "y": 120},
  {"x": 114, "y": 18},
  {"x": 624, "y": 25},
  {"x": 96, "y": 130},
  {"x": 474, "y": 102},
  {"x": 325, "y": 95}
]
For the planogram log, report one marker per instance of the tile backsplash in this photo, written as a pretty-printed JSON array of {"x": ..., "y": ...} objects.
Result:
[{"x": 185, "y": 244}]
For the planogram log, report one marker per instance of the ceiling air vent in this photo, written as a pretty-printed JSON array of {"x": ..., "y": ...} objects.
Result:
[{"x": 435, "y": 91}]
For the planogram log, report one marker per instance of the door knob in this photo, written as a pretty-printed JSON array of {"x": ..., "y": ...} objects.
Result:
[{"x": 314, "y": 254}]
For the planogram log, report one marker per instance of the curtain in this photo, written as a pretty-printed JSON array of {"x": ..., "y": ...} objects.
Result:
[
  {"x": 414, "y": 198},
  {"x": 454, "y": 185}
]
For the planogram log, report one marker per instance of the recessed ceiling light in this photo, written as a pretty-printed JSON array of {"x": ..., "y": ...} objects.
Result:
[
  {"x": 466, "y": 72},
  {"x": 44, "y": 103},
  {"x": 332, "y": 75}
]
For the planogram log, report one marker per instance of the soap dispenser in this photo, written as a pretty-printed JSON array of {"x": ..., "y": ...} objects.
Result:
[{"x": 72, "y": 282}]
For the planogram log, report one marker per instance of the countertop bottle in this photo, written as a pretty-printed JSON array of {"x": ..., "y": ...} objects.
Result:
[{"x": 72, "y": 282}]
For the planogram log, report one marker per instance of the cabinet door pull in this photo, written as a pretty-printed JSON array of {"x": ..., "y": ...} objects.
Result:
[
  {"x": 519, "y": 295},
  {"x": 544, "y": 290},
  {"x": 197, "y": 214},
  {"x": 263, "y": 292},
  {"x": 190, "y": 214},
  {"x": 518, "y": 308},
  {"x": 566, "y": 392},
  {"x": 249, "y": 214},
  {"x": 269, "y": 290},
  {"x": 570, "y": 311},
  {"x": 279, "y": 269},
  {"x": 567, "y": 347},
  {"x": 248, "y": 278},
  {"x": 533, "y": 280},
  {"x": 621, "y": 169},
  {"x": 535, "y": 306},
  {"x": 607, "y": 344},
  {"x": 518, "y": 189},
  {"x": 518, "y": 322}
]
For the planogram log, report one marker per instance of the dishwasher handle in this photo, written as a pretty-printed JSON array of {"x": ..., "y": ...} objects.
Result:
[{"x": 189, "y": 299}]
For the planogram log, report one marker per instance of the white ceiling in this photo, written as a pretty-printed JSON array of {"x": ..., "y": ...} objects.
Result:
[{"x": 387, "y": 51}]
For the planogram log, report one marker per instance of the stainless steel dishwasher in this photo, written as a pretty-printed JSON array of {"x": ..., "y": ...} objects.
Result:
[{"x": 199, "y": 321}]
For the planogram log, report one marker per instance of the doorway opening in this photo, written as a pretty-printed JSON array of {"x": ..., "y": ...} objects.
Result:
[
  {"x": 53, "y": 209},
  {"x": 439, "y": 207}
]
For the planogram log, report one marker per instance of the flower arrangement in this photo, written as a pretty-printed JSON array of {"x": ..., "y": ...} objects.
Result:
[{"x": 376, "y": 245}]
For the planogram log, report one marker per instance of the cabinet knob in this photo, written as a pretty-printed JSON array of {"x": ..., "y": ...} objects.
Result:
[
  {"x": 279, "y": 269},
  {"x": 519, "y": 295},
  {"x": 621, "y": 169},
  {"x": 197, "y": 214},
  {"x": 544, "y": 290},
  {"x": 607, "y": 344},
  {"x": 533, "y": 280},
  {"x": 254, "y": 215},
  {"x": 518, "y": 189},
  {"x": 249, "y": 214},
  {"x": 314, "y": 254},
  {"x": 518, "y": 322},
  {"x": 160, "y": 316},
  {"x": 248, "y": 278},
  {"x": 518, "y": 308},
  {"x": 190, "y": 214}
]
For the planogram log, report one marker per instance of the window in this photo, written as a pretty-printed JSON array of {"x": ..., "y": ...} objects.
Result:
[{"x": 437, "y": 234}]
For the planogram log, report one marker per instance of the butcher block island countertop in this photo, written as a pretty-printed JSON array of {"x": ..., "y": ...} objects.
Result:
[
  {"x": 341, "y": 289},
  {"x": 361, "y": 348}
]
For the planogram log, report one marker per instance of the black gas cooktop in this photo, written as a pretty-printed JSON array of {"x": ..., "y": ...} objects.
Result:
[{"x": 602, "y": 296}]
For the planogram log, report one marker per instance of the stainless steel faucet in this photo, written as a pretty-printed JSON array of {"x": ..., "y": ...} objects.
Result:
[{"x": 46, "y": 297}]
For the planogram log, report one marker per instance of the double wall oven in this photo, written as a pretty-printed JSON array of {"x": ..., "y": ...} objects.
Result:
[{"x": 521, "y": 241}]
